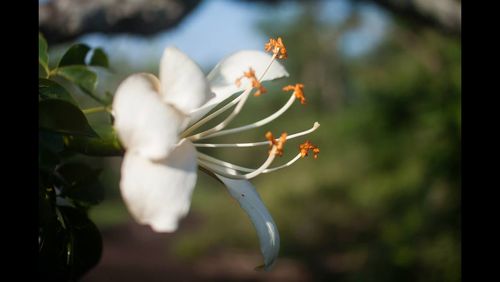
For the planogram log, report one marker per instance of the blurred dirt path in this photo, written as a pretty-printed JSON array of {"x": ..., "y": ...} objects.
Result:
[{"x": 136, "y": 253}]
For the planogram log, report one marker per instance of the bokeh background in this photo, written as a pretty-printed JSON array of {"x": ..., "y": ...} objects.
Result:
[{"x": 382, "y": 201}]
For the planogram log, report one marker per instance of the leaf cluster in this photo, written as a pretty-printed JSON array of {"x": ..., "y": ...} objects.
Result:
[{"x": 69, "y": 242}]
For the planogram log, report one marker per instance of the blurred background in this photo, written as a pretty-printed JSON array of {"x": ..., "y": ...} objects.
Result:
[{"x": 382, "y": 201}]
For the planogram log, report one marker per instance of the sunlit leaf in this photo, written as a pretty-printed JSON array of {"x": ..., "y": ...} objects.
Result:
[
  {"x": 63, "y": 117},
  {"x": 75, "y": 55},
  {"x": 49, "y": 89},
  {"x": 80, "y": 75},
  {"x": 108, "y": 97},
  {"x": 43, "y": 57},
  {"x": 42, "y": 71}
]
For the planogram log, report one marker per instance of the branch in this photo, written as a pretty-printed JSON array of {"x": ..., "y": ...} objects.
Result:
[
  {"x": 445, "y": 15},
  {"x": 65, "y": 20}
]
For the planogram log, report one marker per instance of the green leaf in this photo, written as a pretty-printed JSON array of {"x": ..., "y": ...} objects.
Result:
[
  {"x": 42, "y": 71},
  {"x": 103, "y": 128},
  {"x": 108, "y": 97},
  {"x": 84, "y": 78},
  {"x": 81, "y": 183},
  {"x": 75, "y": 55},
  {"x": 49, "y": 89},
  {"x": 43, "y": 57},
  {"x": 49, "y": 147},
  {"x": 69, "y": 243},
  {"x": 80, "y": 75},
  {"x": 47, "y": 159},
  {"x": 85, "y": 244},
  {"x": 63, "y": 117},
  {"x": 99, "y": 58},
  {"x": 52, "y": 141},
  {"x": 53, "y": 241}
]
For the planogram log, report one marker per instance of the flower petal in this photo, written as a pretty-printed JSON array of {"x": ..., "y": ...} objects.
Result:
[
  {"x": 249, "y": 200},
  {"x": 159, "y": 193},
  {"x": 144, "y": 124},
  {"x": 222, "y": 78},
  {"x": 183, "y": 84}
]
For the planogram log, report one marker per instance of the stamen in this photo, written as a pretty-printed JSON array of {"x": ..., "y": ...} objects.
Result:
[
  {"x": 276, "y": 143},
  {"x": 222, "y": 165},
  {"x": 240, "y": 100},
  {"x": 224, "y": 123},
  {"x": 298, "y": 91},
  {"x": 250, "y": 175},
  {"x": 250, "y": 74},
  {"x": 218, "y": 168},
  {"x": 305, "y": 147},
  {"x": 277, "y": 47},
  {"x": 258, "y": 123},
  {"x": 211, "y": 116},
  {"x": 254, "y": 144}
]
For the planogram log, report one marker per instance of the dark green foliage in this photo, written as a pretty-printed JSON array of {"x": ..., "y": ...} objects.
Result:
[
  {"x": 99, "y": 58},
  {"x": 62, "y": 117},
  {"x": 75, "y": 55},
  {"x": 80, "y": 183},
  {"x": 69, "y": 242}
]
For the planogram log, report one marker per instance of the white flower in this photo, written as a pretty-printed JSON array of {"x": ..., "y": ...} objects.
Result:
[{"x": 155, "y": 120}]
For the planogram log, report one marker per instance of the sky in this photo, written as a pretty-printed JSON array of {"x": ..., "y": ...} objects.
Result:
[{"x": 216, "y": 29}]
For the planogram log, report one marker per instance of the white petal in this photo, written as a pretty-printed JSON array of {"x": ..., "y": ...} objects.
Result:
[
  {"x": 145, "y": 125},
  {"x": 249, "y": 200},
  {"x": 223, "y": 77},
  {"x": 159, "y": 193},
  {"x": 183, "y": 83}
]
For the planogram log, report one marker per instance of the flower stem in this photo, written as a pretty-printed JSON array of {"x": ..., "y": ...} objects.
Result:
[
  {"x": 95, "y": 110},
  {"x": 91, "y": 146}
]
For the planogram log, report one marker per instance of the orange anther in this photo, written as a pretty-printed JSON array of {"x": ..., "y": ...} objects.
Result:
[
  {"x": 298, "y": 91},
  {"x": 277, "y": 47},
  {"x": 279, "y": 144},
  {"x": 250, "y": 74},
  {"x": 305, "y": 147}
]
